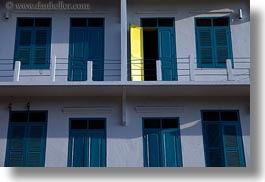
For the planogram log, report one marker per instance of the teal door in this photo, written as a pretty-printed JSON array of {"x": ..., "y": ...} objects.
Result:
[
  {"x": 167, "y": 53},
  {"x": 78, "y": 55},
  {"x": 87, "y": 143},
  {"x": 162, "y": 46},
  {"x": 86, "y": 44},
  {"x": 162, "y": 146}
]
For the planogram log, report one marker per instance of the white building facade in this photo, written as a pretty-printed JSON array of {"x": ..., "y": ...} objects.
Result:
[{"x": 125, "y": 83}]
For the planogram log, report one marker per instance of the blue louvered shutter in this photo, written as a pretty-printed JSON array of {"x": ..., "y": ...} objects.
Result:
[
  {"x": 205, "y": 46},
  {"x": 24, "y": 46},
  {"x": 214, "y": 145},
  {"x": 41, "y": 48},
  {"x": 36, "y": 146},
  {"x": 232, "y": 145},
  {"x": 16, "y": 146},
  {"x": 222, "y": 45}
]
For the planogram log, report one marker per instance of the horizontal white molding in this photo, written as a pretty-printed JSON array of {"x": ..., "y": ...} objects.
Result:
[
  {"x": 225, "y": 11},
  {"x": 74, "y": 12},
  {"x": 159, "y": 109},
  {"x": 84, "y": 110},
  {"x": 156, "y": 12}
]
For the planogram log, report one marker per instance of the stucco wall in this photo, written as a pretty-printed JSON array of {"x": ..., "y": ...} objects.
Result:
[
  {"x": 109, "y": 10},
  {"x": 183, "y": 11},
  {"x": 124, "y": 143}
]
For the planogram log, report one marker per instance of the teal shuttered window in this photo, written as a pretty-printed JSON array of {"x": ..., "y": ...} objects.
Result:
[
  {"x": 162, "y": 146},
  {"x": 222, "y": 139},
  {"x": 213, "y": 41},
  {"x": 26, "y": 139},
  {"x": 33, "y": 42},
  {"x": 87, "y": 143},
  {"x": 86, "y": 44}
]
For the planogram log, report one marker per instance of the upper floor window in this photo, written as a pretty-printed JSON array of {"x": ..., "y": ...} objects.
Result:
[
  {"x": 33, "y": 42},
  {"x": 213, "y": 41},
  {"x": 222, "y": 139}
]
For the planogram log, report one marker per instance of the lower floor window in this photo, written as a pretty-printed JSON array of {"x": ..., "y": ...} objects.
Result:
[
  {"x": 222, "y": 139},
  {"x": 26, "y": 139},
  {"x": 87, "y": 143},
  {"x": 162, "y": 145}
]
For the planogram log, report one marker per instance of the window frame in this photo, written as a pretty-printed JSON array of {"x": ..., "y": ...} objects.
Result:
[
  {"x": 32, "y": 65},
  {"x": 162, "y": 130},
  {"x": 74, "y": 132},
  {"x": 27, "y": 124},
  {"x": 212, "y": 28},
  {"x": 221, "y": 124}
]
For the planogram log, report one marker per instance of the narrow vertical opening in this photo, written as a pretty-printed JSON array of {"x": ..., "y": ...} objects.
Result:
[{"x": 150, "y": 39}]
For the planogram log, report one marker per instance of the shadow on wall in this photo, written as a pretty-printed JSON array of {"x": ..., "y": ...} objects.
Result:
[
  {"x": 188, "y": 8},
  {"x": 181, "y": 13}
]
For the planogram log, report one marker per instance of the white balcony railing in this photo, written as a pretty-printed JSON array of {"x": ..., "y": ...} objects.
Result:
[{"x": 187, "y": 70}]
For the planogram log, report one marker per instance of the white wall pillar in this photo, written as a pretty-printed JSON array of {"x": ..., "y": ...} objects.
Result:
[
  {"x": 17, "y": 71},
  {"x": 192, "y": 69},
  {"x": 53, "y": 69},
  {"x": 124, "y": 57},
  {"x": 158, "y": 70},
  {"x": 230, "y": 76},
  {"x": 89, "y": 71}
]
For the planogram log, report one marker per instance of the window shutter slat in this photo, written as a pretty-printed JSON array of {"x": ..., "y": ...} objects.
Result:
[
  {"x": 15, "y": 159},
  {"x": 41, "y": 50},
  {"x": 214, "y": 139},
  {"x": 25, "y": 37},
  {"x": 205, "y": 46},
  {"x": 216, "y": 158},
  {"x": 34, "y": 159},
  {"x": 233, "y": 158},
  {"x": 222, "y": 45},
  {"x": 16, "y": 146},
  {"x": 35, "y": 146},
  {"x": 17, "y": 138},
  {"x": 24, "y": 46},
  {"x": 230, "y": 135},
  {"x": 35, "y": 137}
]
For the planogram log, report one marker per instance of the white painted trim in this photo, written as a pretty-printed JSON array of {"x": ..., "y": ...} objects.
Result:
[
  {"x": 225, "y": 11},
  {"x": 159, "y": 109},
  {"x": 156, "y": 12},
  {"x": 159, "y": 70},
  {"x": 229, "y": 68},
  {"x": 17, "y": 71},
  {"x": 124, "y": 32},
  {"x": 53, "y": 69},
  {"x": 89, "y": 71},
  {"x": 86, "y": 110}
]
